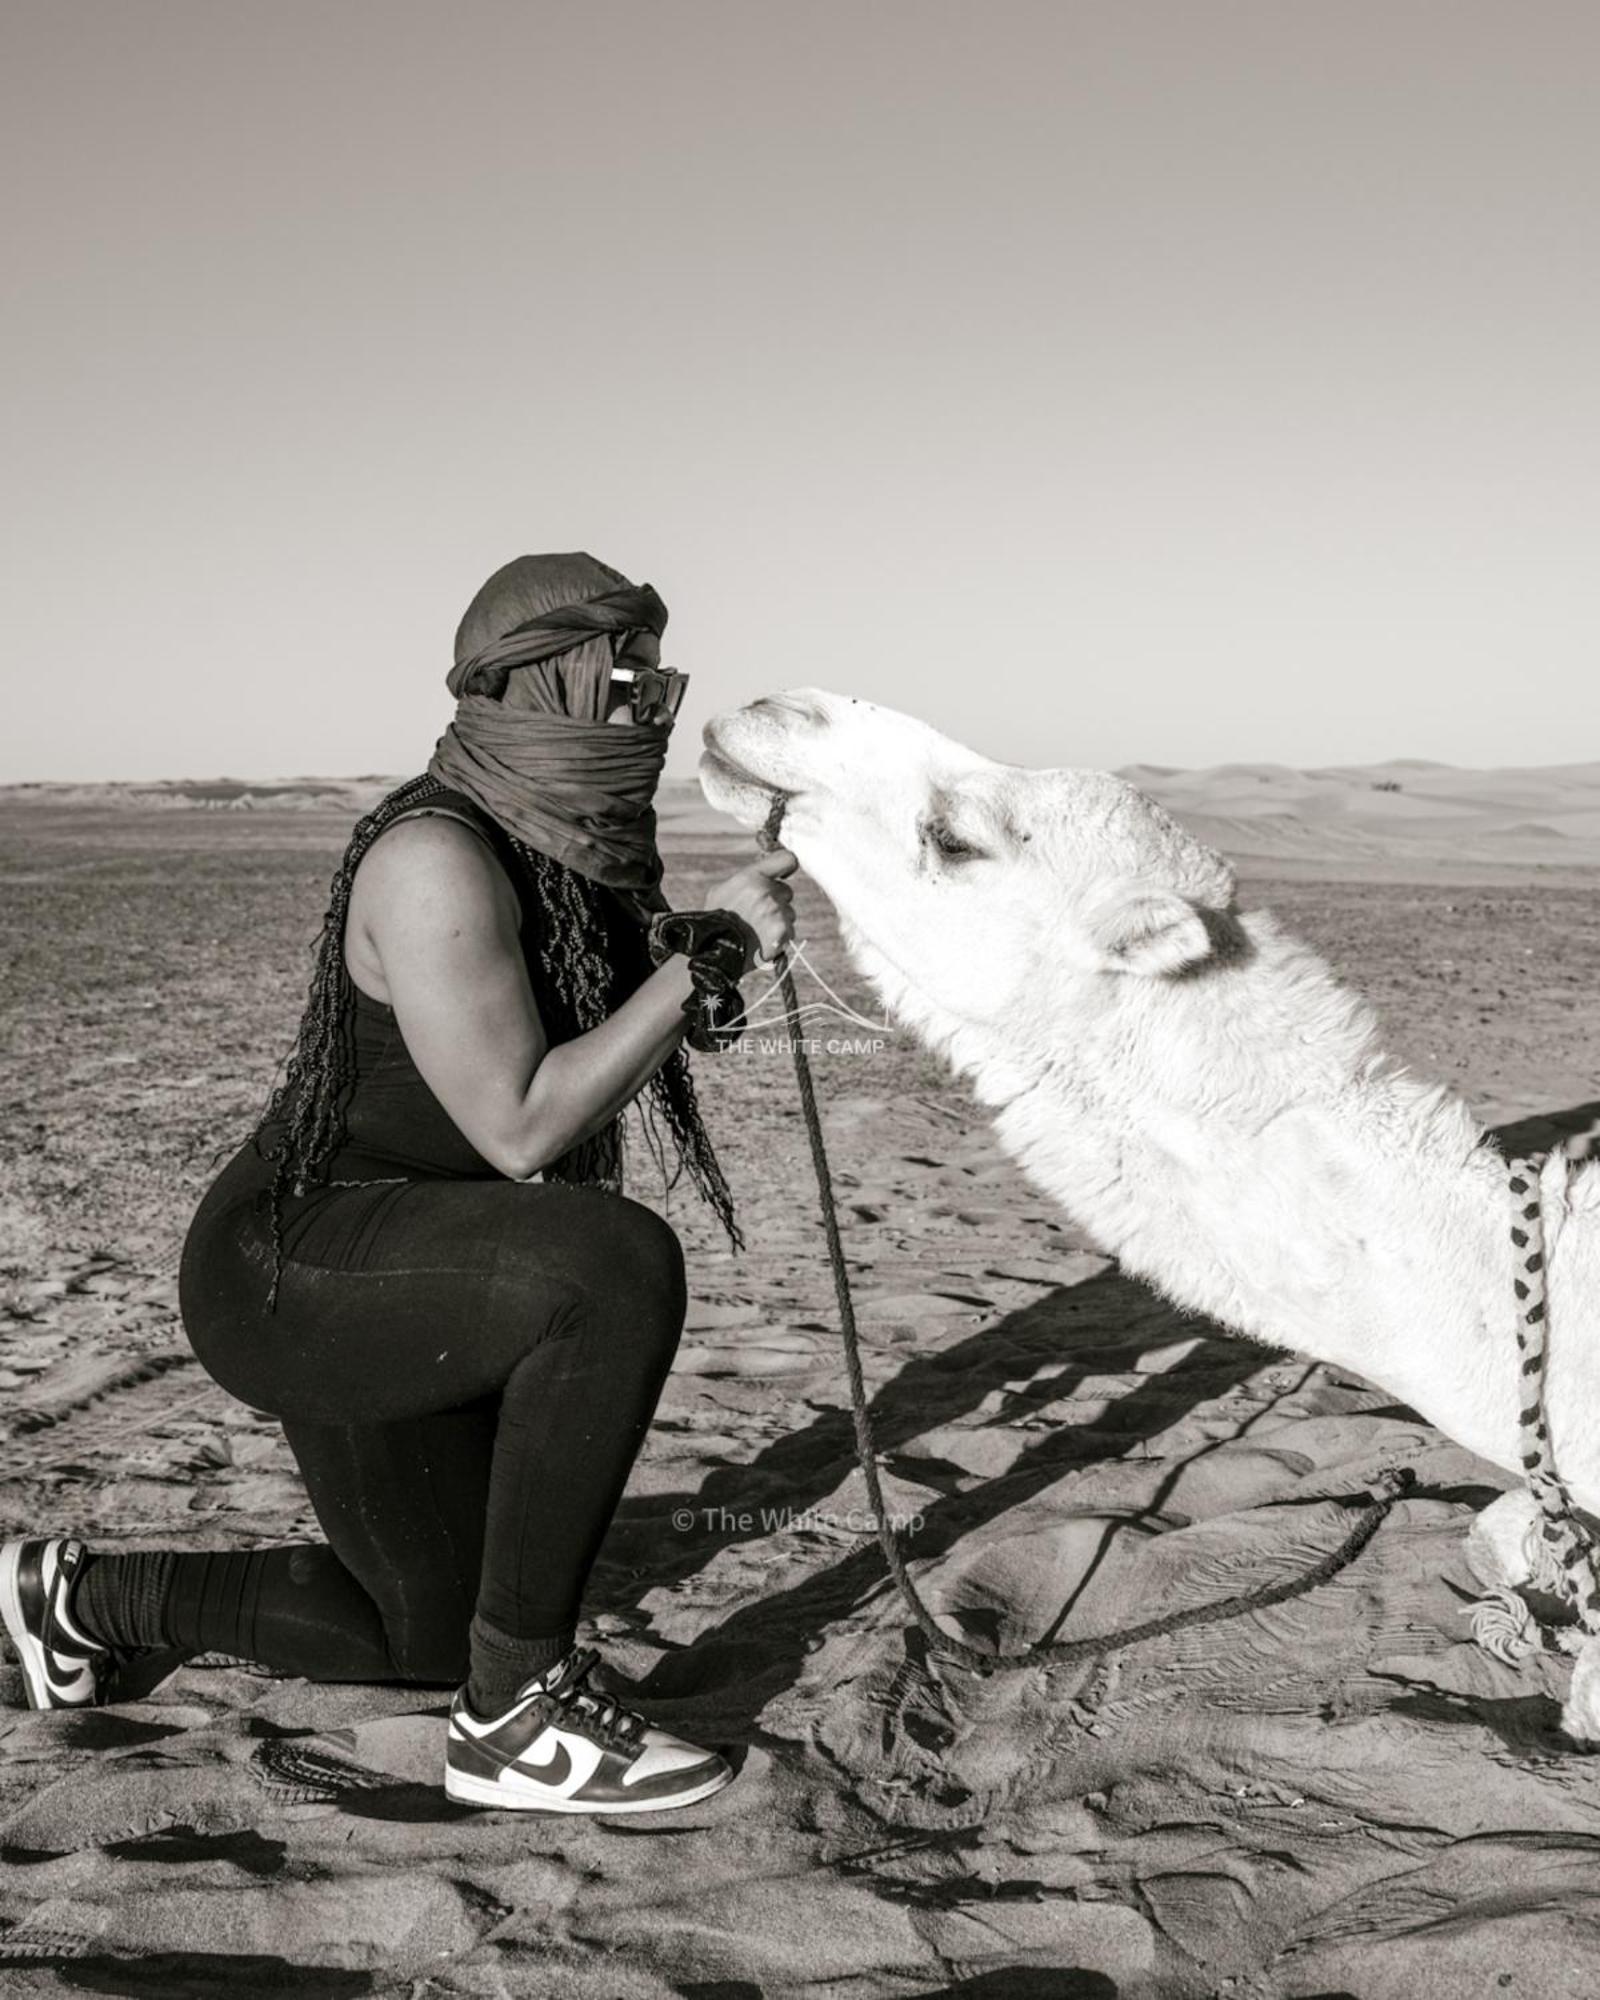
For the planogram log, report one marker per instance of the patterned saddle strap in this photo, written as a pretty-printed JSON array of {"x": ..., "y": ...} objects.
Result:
[{"x": 1568, "y": 1541}]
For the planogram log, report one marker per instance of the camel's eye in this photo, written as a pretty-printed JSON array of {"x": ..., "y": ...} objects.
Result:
[{"x": 945, "y": 841}]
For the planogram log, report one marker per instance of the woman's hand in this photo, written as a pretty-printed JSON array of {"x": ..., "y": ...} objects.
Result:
[{"x": 766, "y": 902}]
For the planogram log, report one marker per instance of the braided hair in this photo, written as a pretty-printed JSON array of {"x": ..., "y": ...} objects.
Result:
[{"x": 591, "y": 956}]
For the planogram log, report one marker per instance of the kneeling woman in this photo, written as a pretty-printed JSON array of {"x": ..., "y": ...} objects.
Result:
[{"x": 422, "y": 1262}]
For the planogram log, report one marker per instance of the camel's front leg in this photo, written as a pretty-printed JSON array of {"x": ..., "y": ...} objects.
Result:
[
  {"x": 1580, "y": 1713},
  {"x": 1505, "y": 1550}
]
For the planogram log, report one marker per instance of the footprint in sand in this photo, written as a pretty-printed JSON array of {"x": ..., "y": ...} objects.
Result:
[
  {"x": 876, "y": 1307},
  {"x": 1073, "y": 1267},
  {"x": 981, "y": 1451},
  {"x": 844, "y": 1116},
  {"x": 712, "y": 1317},
  {"x": 758, "y": 1350},
  {"x": 28, "y": 1943}
]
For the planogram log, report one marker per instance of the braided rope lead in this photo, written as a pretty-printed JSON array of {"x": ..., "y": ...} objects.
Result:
[
  {"x": 1569, "y": 1543},
  {"x": 1386, "y": 1488}
]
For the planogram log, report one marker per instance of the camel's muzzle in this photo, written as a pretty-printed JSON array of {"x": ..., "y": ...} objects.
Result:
[
  {"x": 718, "y": 764},
  {"x": 749, "y": 746},
  {"x": 731, "y": 780}
]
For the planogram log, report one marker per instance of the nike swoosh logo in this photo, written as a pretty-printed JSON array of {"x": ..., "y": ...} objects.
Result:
[
  {"x": 554, "y": 1772},
  {"x": 76, "y": 1682}
]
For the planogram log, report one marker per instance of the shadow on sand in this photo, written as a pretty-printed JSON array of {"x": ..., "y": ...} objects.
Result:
[{"x": 1103, "y": 1324}]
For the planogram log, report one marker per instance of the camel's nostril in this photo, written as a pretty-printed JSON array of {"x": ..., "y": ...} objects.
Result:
[{"x": 790, "y": 704}]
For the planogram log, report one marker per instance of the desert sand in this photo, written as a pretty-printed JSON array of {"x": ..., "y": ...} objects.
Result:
[{"x": 1337, "y": 1796}]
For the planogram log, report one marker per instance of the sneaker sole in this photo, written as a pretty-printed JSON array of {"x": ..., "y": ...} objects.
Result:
[{"x": 490, "y": 1792}]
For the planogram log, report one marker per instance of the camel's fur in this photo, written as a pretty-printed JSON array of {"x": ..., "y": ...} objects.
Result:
[{"x": 1191, "y": 1084}]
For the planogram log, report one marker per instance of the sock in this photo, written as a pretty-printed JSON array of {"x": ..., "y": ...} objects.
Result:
[
  {"x": 294, "y": 1608},
  {"x": 121, "y": 1600},
  {"x": 501, "y": 1664}
]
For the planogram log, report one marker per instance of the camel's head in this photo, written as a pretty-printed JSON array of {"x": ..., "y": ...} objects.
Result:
[{"x": 967, "y": 890}]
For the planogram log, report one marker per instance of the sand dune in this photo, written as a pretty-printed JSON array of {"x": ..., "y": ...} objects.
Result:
[{"x": 1404, "y": 811}]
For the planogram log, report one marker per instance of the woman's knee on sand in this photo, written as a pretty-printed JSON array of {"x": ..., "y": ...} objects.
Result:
[
  {"x": 422, "y": 1616},
  {"x": 431, "y": 1650}
]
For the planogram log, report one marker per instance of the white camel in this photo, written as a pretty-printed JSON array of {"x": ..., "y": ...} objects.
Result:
[{"x": 1194, "y": 1087}]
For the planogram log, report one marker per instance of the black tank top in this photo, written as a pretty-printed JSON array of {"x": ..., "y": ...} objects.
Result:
[{"x": 394, "y": 1125}]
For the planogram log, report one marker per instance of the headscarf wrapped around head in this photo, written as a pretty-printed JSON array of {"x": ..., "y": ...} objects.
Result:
[{"x": 530, "y": 741}]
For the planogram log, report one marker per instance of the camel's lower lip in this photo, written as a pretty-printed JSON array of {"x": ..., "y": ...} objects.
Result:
[{"x": 729, "y": 768}]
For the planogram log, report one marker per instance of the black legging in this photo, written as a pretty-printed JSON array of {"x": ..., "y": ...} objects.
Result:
[{"x": 465, "y": 1371}]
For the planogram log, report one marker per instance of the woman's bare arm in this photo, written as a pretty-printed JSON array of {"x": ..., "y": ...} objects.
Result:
[{"x": 435, "y": 913}]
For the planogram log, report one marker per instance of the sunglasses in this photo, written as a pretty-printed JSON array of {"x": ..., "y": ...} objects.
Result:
[{"x": 655, "y": 694}]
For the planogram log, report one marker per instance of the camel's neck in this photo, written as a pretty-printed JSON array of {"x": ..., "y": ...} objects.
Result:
[{"x": 1240, "y": 1140}]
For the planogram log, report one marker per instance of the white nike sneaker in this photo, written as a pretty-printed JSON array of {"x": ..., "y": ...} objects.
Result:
[
  {"x": 561, "y": 1748},
  {"x": 61, "y": 1665}
]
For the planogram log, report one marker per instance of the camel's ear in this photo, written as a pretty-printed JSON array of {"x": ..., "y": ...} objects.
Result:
[{"x": 1150, "y": 931}]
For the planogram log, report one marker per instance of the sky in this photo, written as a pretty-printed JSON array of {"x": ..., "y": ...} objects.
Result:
[{"x": 1177, "y": 381}]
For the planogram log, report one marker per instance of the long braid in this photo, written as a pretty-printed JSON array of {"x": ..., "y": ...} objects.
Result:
[
  {"x": 591, "y": 955},
  {"x": 308, "y": 1103}
]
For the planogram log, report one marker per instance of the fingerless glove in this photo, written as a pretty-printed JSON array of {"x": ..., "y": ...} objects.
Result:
[{"x": 716, "y": 944}]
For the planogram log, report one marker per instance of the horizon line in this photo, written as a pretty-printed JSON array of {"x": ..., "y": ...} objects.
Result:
[{"x": 334, "y": 780}]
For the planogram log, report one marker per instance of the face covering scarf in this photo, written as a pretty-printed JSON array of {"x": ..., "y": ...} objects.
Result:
[{"x": 530, "y": 742}]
